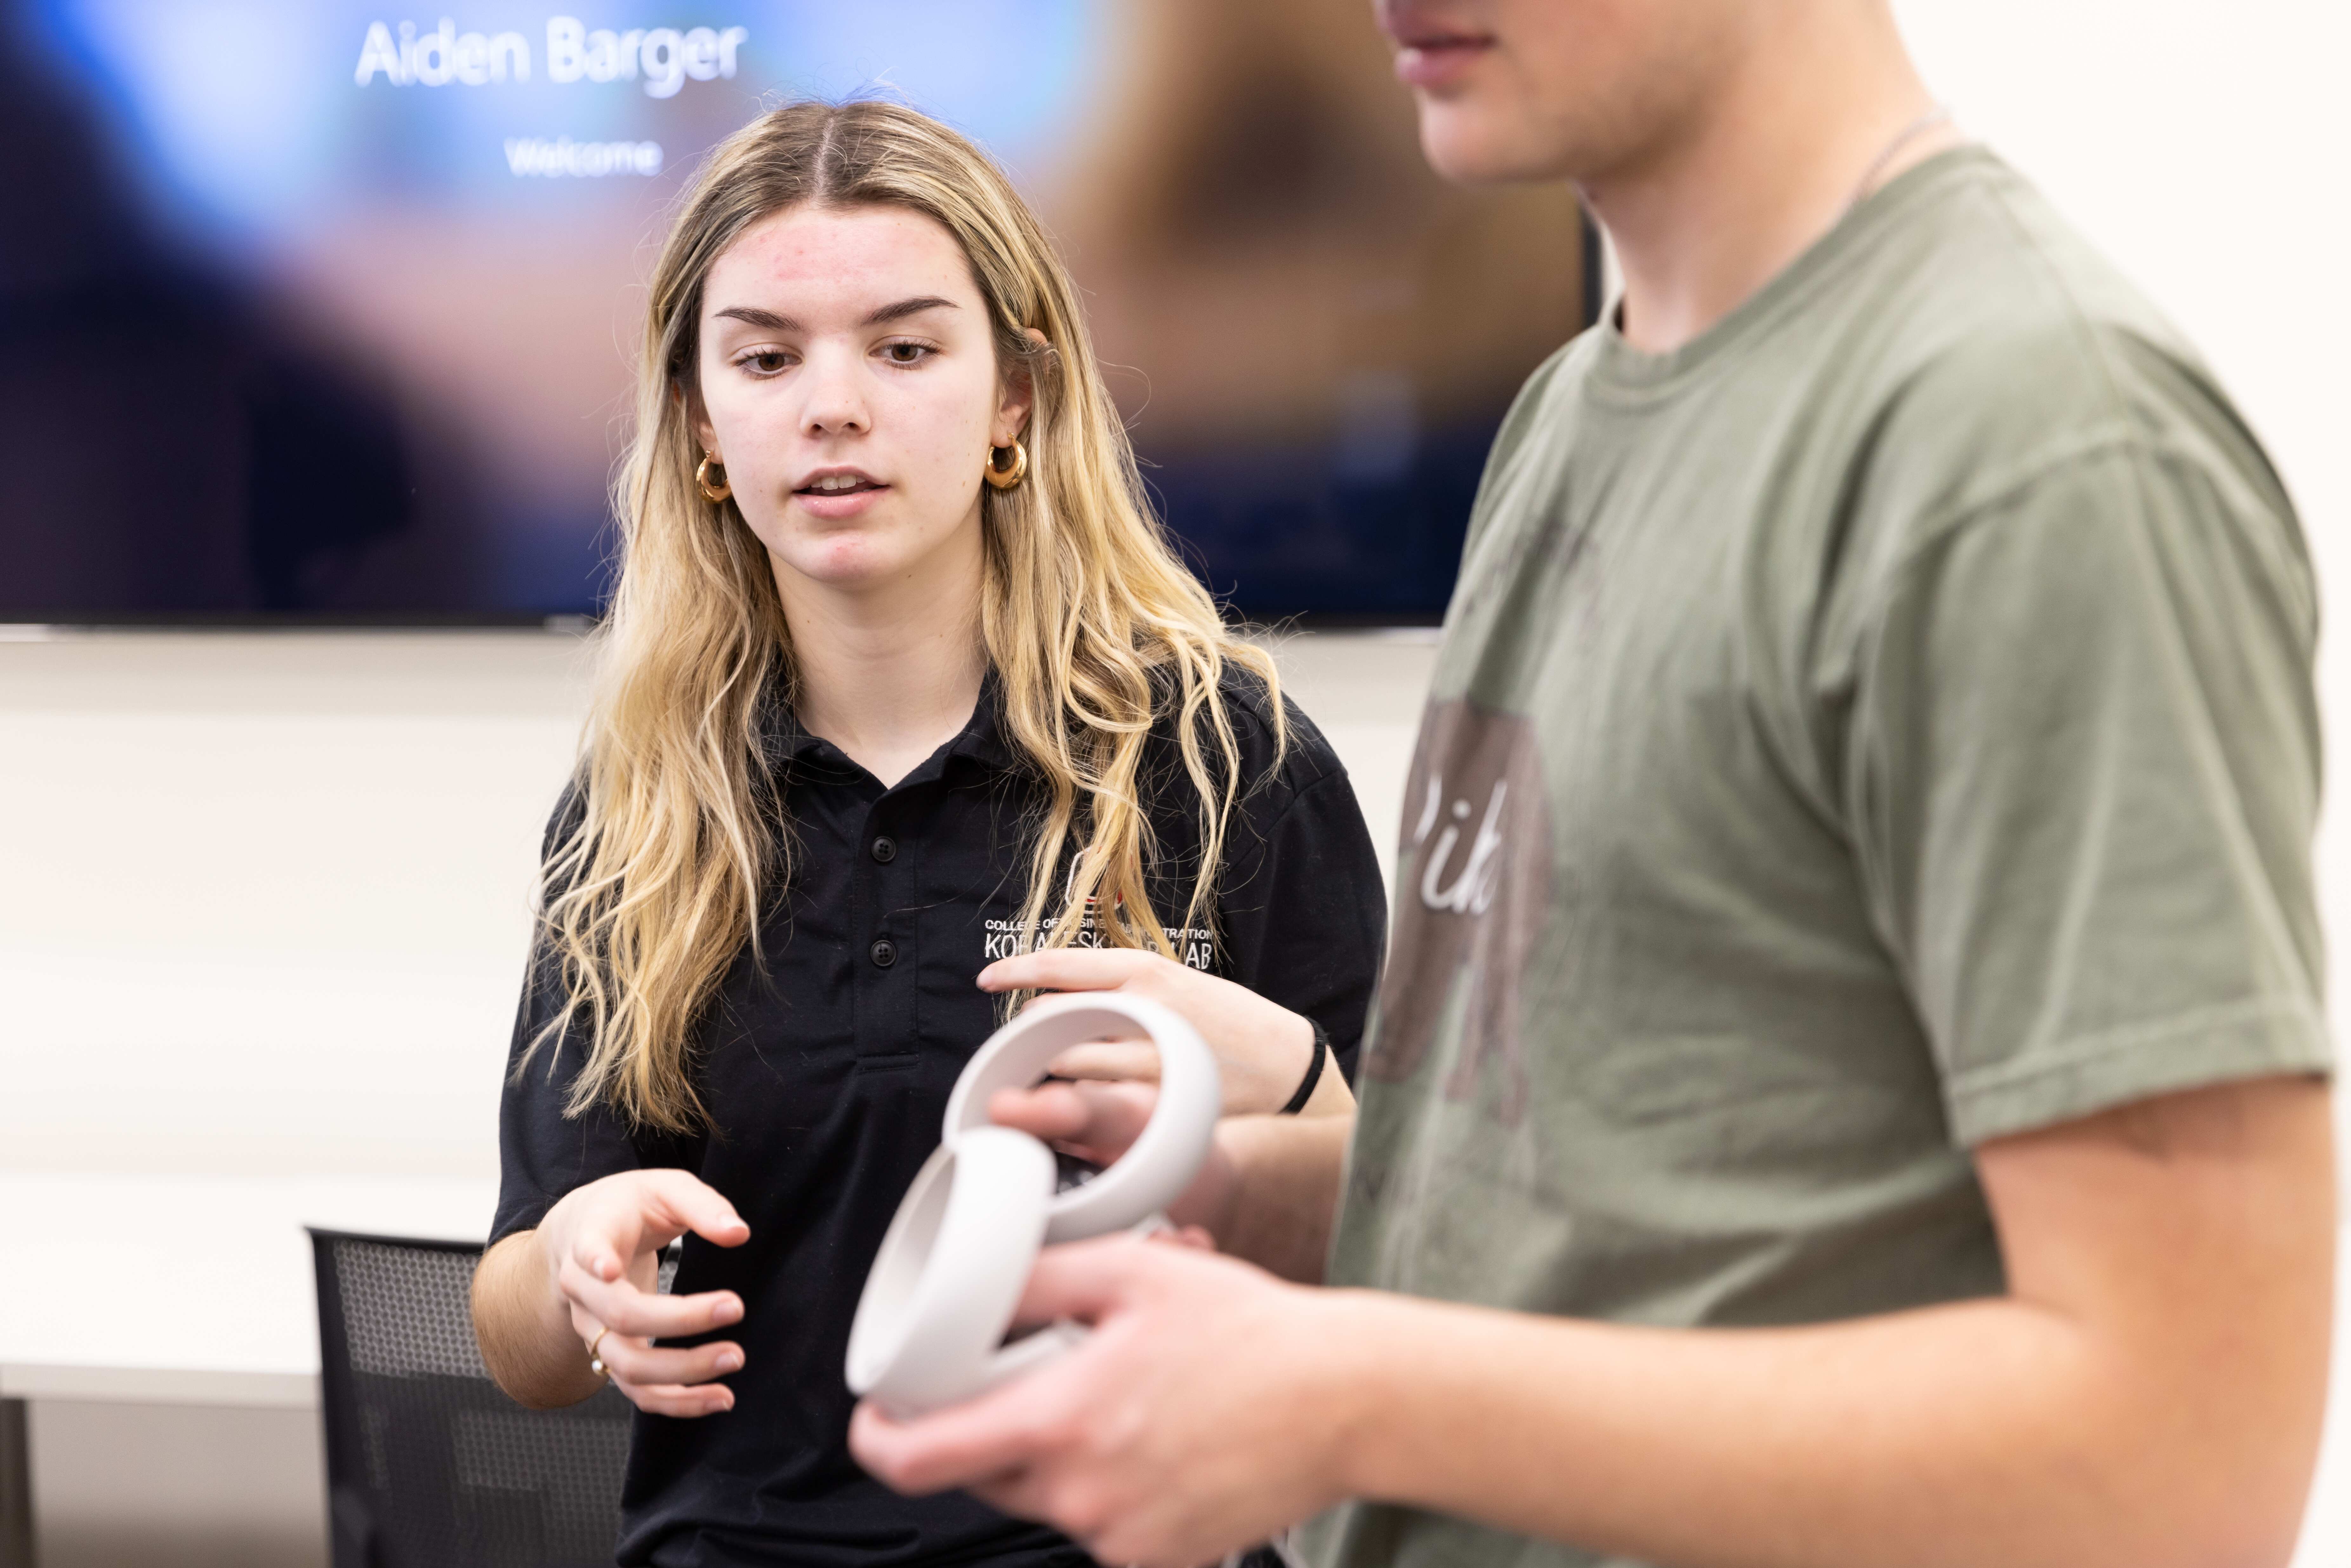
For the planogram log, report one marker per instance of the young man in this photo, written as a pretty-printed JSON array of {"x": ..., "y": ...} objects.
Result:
[{"x": 1849, "y": 1086}]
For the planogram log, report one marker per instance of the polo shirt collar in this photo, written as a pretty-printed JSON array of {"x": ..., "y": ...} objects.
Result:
[
  {"x": 791, "y": 749},
  {"x": 983, "y": 738}
]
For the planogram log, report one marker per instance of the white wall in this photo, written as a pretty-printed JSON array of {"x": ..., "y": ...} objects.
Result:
[{"x": 263, "y": 899}]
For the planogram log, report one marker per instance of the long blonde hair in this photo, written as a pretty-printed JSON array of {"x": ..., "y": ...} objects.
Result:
[{"x": 655, "y": 878}]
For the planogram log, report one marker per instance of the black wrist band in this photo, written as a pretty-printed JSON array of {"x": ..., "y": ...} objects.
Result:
[{"x": 1314, "y": 1072}]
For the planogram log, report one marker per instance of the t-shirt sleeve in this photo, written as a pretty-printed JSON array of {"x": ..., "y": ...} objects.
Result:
[
  {"x": 542, "y": 1153},
  {"x": 1303, "y": 910},
  {"x": 2083, "y": 768}
]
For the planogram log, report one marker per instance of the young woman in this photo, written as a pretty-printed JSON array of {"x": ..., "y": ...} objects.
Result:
[{"x": 901, "y": 678}]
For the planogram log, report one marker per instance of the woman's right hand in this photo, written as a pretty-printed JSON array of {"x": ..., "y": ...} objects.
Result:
[
  {"x": 601, "y": 1246},
  {"x": 1262, "y": 1049},
  {"x": 1098, "y": 1123}
]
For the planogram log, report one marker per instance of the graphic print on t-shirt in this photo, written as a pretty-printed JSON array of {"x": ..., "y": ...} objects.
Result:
[{"x": 1476, "y": 859}]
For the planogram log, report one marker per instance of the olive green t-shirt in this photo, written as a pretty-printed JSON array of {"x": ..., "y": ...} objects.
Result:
[{"x": 1882, "y": 724}]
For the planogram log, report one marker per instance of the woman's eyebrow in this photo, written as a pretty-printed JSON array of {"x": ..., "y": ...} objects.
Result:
[
  {"x": 771, "y": 321},
  {"x": 914, "y": 306},
  {"x": 758, "y": 317}
]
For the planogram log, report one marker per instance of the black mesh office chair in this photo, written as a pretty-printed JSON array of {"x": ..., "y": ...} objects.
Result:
[{"x": 428, "y": 1464}]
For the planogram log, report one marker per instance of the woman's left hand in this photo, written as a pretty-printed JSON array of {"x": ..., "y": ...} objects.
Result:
[{"x": 1262, "y": 1049}]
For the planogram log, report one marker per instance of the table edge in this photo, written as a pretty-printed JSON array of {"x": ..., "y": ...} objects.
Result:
[{"x": 159, "y": 1386}]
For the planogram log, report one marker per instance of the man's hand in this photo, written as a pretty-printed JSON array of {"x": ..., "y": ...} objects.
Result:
[
  {"x": 1262, "y": 1049},
  {"x": 1199, "y": 1418}
]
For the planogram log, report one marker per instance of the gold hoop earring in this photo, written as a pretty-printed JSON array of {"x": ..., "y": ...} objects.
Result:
[
  {"x": 1005, "y": 479},
  {"x": 713, "y": 494}
]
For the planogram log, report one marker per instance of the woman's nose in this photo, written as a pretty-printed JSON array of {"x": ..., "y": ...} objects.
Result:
[{"x": 836, "y": 402}]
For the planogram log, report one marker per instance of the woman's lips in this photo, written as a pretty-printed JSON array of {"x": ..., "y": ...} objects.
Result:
[
  {"x": 834, "y": 505},
  {"x": 1438, "y": 62}
]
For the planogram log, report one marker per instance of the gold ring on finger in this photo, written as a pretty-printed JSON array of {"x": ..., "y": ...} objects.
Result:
[{"x": 595, "y": 1361}]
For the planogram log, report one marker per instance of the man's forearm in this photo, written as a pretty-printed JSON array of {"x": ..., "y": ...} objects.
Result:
[
  {"x": 2150, "y": 1393},
  {"x": 1984, "y": 1432},
  {"x": 525, "y": 1328},
  {"x": 1285, "y": 1189}
]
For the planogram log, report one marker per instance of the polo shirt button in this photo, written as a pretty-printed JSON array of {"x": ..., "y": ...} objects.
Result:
[
  {"x": 885, "y": 850},
  {"x": 884, "y": 953}
]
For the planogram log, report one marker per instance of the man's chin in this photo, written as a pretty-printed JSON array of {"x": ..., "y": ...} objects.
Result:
[{"x": 1465, "y": 146}]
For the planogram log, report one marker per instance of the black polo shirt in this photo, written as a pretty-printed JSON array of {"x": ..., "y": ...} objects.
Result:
[{"x": 826, "y": 1069}]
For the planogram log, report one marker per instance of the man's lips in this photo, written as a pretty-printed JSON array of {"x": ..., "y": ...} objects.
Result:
[
  {"x": 1432, "y": 49},
  {"x": 1436, "y": 59}
]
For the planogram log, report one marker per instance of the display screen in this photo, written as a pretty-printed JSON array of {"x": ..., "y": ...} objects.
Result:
[{"x": 312, "y": 309}]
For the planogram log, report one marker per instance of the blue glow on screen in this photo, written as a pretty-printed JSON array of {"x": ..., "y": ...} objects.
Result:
[
  {"x": 385, "y": 269},
  {"x": 247, "y": 119}
]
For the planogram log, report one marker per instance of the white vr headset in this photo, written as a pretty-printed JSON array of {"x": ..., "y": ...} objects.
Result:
[{"x": 930, "y": 1326}]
